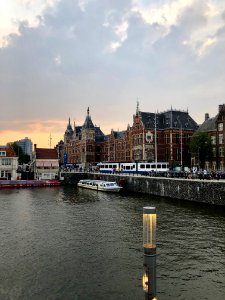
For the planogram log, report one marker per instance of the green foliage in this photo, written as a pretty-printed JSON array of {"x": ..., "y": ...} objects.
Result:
[
  {"x": 23, "y": 158},
  {"x": 201, "y": 147}
]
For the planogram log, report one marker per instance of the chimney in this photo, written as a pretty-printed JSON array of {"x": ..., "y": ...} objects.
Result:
[
  {"x": 35, "y": 146},
  {"x": 206, "y": 116},
  {"x": 220, "y": 107}
]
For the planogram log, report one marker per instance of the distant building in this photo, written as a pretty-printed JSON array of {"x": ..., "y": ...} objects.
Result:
[
  {"x": 8, "y": 163},
  {"x": 215, "y": 128},
  {"x": 45, "y": 163},
  {"x": 27, "y": 145}
]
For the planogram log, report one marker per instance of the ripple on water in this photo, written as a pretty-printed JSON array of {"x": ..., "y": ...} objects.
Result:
[{"x": 69, "y": 243}]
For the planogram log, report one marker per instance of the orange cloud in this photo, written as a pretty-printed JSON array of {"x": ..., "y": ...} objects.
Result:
[{"x": 42, "y": 139}]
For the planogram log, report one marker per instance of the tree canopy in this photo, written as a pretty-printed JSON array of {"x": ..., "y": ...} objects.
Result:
[
  {"x": 23, "y": 158},
  {"x": 200, "y": 146}
]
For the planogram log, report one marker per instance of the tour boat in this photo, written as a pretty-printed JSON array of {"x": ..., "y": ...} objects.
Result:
[{"x": 99, "y": 185}]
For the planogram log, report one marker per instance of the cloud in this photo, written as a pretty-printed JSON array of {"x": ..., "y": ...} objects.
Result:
[{"x": 105, "y": 54}]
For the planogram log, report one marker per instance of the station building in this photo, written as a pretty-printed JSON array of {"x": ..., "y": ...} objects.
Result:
[{"x": 152, "y": 137}]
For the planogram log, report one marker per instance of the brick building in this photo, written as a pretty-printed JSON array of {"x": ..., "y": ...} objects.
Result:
[
  {"x": 173, "y": 129},
  {"x": 215, "y": 128},
  {"x": 83, "y": 144}
]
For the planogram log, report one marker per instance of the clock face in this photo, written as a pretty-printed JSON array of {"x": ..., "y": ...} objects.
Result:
[{"x": 149, "y": 137}]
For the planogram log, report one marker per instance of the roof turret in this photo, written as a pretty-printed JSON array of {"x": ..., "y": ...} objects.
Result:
[
  {"x": 88, "y": 124},
  {"x": 69, "y": 129}
]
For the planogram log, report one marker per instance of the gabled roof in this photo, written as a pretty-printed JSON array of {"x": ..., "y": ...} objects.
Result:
[
  {"x": 45, "y": 153},
  {"x": 9, "y": 151},
  {"x": 208, "y": 125}
]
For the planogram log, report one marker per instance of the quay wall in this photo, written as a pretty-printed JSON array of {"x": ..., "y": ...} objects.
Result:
[{"x": 205, "y": 191}]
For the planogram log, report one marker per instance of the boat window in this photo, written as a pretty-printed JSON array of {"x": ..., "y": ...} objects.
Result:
[
  {"x": 110, "y": 166},
  {"x": 133, "y": 166},
  {"x": 159, "y": 166},
  {"x": 127, "y": 167},
  {"x": 106, "y": 166},
  {"x": 114, "y": 166},
  {"x": 147, "y": 166},
  {"x": 164, "y": 166},
  {"x": 153, "y": 166},
  {"x": 142, "y": 166}
]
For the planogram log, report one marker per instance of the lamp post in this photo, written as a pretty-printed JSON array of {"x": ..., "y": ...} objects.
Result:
[
  {"x": 156, "y": 158},
  {"x": 149, "y": 244},
  {"x": 181, "y": 147}
]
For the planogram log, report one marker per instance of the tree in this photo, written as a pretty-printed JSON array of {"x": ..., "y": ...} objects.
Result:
[
  {"x": 200, "y": 146},
  {"x": 23, "y": 158}
]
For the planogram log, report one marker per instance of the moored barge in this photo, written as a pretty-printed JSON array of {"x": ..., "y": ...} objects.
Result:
[{"x": 28, "y": 183}]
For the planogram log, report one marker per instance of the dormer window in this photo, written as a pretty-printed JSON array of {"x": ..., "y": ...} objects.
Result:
[{"x": 2, "y": 153}]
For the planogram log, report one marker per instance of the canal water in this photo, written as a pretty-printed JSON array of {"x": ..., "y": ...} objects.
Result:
[{"x": 70, "y": 243}]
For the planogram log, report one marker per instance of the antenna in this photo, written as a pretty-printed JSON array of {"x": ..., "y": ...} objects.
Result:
[{"x": 50, "y": 141}]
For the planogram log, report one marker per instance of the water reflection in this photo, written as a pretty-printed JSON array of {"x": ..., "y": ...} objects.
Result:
[{"x": 69, "y": 243}]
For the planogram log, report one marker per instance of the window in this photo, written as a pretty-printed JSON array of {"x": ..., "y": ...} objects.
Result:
[
  {"x": 2, "y": 153},
  {"x": 221, "y": 152},
  {"x": 6, "y": 161},
  {"x": 220, "y": 138},
  {"x": 220, "y": 127},
  {"x": 167, "y": 139},
  {"x": 142, "y": 166},
  {"x": 213, "y": 140},
  {"x": 5, "y": 174}
]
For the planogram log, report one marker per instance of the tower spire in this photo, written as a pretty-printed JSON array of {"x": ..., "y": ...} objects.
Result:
[
  {"x": 88, "y": 111},
  {"x": 137, "y": 109}
]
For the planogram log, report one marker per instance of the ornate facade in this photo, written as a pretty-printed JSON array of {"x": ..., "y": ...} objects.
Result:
[
  {"x": 152, "y": 137},
  {"x": 83, "y": 144}
]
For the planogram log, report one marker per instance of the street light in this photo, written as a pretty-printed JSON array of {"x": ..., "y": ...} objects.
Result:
[{"x": 149, "y": 244}]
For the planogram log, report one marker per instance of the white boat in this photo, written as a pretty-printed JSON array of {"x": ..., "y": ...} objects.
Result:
[{"x": 99, "y": 185}]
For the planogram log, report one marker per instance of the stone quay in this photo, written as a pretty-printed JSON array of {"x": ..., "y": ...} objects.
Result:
[{"x": 203, "y": 191}]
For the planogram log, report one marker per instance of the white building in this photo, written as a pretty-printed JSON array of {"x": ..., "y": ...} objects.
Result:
[
  {"x": 8, "y": 163},
  {"x": 45, "y": 163}
]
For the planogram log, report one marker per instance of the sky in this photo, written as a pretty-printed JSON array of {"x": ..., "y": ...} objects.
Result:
[{"x": 59, "y": 57}]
